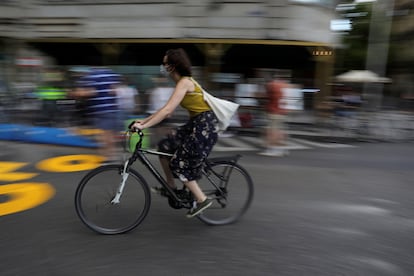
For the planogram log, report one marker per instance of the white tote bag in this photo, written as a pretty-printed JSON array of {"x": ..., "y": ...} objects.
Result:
[{"x": 223, "y": 109}]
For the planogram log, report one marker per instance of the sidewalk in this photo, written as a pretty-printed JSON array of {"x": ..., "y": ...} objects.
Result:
[{"x": 385, "y": 126}]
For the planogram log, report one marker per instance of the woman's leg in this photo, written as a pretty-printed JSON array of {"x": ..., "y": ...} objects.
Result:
[
  {"x": 169, "y": 145},
  {"x": 169, "y": 177},
  {"x": 195, "y": 190},
  {"x": 203, "y": 202},
  {"x": 195, "y": 141}
]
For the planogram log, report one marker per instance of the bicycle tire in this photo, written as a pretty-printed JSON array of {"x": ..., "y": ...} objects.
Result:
[
  {"x": 96, "y": 190},
  {"x": 238, "y": 192}
]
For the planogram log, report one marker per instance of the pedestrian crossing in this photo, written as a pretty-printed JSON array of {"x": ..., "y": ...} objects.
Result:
[{"x": 249, "y": 143}]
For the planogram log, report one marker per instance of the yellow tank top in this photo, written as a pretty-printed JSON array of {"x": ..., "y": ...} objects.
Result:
[{"x": 194, "y": 101}]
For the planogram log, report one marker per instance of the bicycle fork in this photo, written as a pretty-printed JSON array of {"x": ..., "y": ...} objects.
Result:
[{"x": 125, "y": 174}]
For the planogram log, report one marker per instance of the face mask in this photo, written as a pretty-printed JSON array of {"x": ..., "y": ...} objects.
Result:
[{"x": 163, "y": 70}]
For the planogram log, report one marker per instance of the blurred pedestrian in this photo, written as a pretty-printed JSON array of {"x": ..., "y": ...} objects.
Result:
[
  {"x": 245, "y": 97},
  {"x": 79, "y": 111},
  {"x": 160, "y": 94},
  {"x": 158, "y": 97},
  {"x": 191, "y": 143},
  {"x": 126, "y": 99},
  {"x": 98, "y": 87},
  {"x": 50, "y": 92},
  {"x": 275, "y": 135}
]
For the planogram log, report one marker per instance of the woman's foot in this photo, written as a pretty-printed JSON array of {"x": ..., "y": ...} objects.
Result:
[{"x": 200, "y": 208}]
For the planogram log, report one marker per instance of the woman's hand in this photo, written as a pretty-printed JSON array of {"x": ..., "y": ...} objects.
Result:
[{"x": 137, "y": 124}]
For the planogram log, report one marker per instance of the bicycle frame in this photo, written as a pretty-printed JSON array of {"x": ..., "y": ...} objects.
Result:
[
  {"x": 140, "y": 154},
  {"x": 224, "y": 177}
]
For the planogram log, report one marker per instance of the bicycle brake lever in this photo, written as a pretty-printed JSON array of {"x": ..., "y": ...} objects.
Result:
[{"x": 130, "y": 125}]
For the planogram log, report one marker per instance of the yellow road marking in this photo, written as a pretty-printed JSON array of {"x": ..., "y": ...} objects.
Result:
[
  {"x": 24, "y": 196},
  {"x": 70, "y": 163},
  {"x": 7, "y": 174}
]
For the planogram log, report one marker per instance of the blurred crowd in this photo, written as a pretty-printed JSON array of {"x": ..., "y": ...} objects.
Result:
[{"x": 60, "y": 100}]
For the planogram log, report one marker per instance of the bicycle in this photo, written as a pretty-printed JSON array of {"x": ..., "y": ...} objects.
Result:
[{"x": 114, "y": 199}]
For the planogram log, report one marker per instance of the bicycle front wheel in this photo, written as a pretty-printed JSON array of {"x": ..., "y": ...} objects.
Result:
[
  {"x": 231, "y": 188},
  {"x": 99, "y": 209}
]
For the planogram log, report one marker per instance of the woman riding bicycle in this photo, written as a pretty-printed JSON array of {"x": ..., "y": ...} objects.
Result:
[{"x": 191, "y": 143}]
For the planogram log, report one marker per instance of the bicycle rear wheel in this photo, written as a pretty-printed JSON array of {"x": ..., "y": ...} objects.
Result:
[
  {"x": 94, "y": 195},
  {"x": 231, "y": 187}
]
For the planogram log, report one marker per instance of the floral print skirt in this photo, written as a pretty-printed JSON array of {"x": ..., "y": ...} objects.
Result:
[{"x": 190, "y": 145}]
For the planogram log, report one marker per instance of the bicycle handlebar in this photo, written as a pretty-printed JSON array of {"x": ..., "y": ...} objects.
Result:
[{"x": 137, "y": 130}]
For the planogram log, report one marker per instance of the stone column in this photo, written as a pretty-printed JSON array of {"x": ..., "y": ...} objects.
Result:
[
  {"x": 324, "y": 69},
  {"x": 213, "y": 53}
]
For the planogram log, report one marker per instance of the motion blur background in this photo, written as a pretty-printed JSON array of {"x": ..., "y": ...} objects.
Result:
[
  {"x": 234, "y": 46},
  {"x": 340, "y": 204}
]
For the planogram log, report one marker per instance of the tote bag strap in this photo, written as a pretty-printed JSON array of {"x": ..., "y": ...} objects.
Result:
[{"x": 197, "y": 84}]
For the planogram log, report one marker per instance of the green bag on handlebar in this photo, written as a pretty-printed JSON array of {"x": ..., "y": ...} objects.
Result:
[{"x": 135, "y": 137}]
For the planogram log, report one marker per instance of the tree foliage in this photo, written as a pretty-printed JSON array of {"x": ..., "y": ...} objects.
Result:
[{"x": 355, "y": 43}]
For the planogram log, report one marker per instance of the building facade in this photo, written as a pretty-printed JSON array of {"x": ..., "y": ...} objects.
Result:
[{"x": 229, "y": 36}]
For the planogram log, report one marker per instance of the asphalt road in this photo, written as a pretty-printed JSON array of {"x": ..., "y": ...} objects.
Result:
[{"x": 342, "y": 211}]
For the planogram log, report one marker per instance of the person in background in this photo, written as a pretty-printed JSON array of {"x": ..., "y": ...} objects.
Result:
[
  {"x": 98, "y": 88},
  {"x": 191, "y": 143},
  {"x": 126, "y": 95},
  {"x": 160, "y": 94},
  {"x": 245, "y": 96},
  {"x": 50, "y": 93},
  {"x": 158, "y": 97},
  {"x": 275, "y": 135}
]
